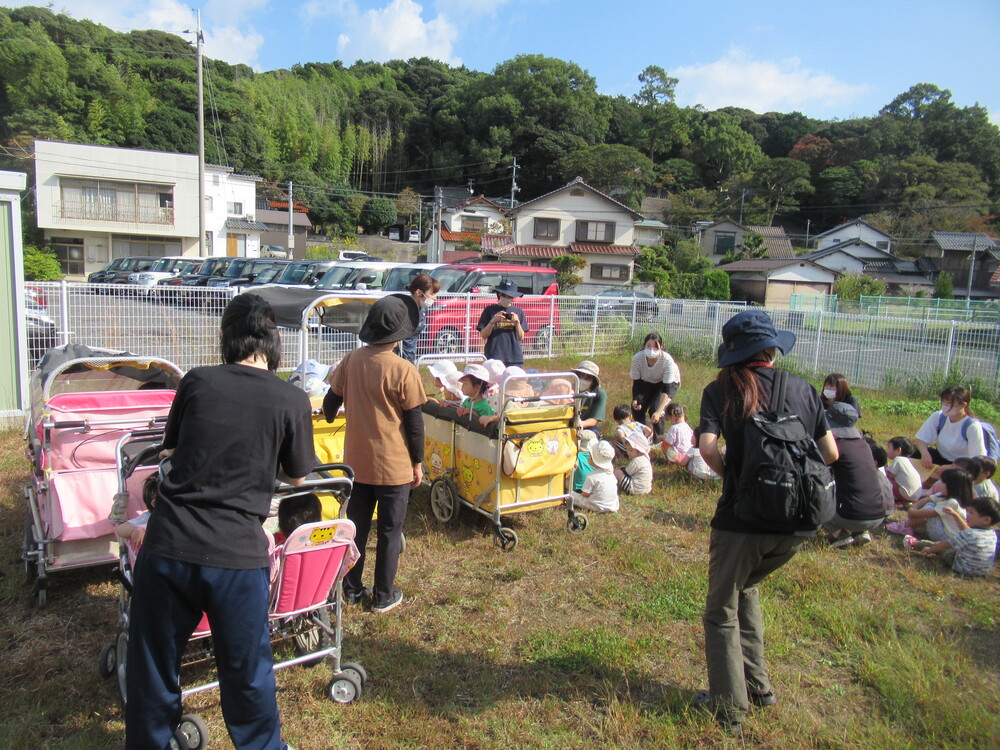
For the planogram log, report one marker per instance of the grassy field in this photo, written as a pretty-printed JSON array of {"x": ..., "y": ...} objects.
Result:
[{"x": 570, "y": 641}]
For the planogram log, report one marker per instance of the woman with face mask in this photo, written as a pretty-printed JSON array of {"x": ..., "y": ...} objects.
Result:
[
  {"x": 503, "y": 325},
  {"x": 655, "y": 380},
  {"x": 424, "y": 290},
  {"x": 593, "y": 410},
  {"x": 836, "y": 389},
  {"x": 945, "y": 435}
]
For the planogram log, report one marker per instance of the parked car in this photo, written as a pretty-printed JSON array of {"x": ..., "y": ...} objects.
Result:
[
  {"x": 40, "y": 330},
  {"x": 618, "y": 302},
  {"x": 134, "y": 264},
  {"x": 399, "y": 277},
  {"x": 356, "y": 275},
  {"x": 186, "y": 286},
  {"x": 101, "y": 276},
  {"x": 269, "y": 275},
  {"x": 414, "y": 236},
  {"x": 165, "y": 268},
  {"x": 273, "y": 251},
  {"x": 241, "y": 274},
  {"x": 304, "y": 273},
  {"x": 451, "y": 323}
]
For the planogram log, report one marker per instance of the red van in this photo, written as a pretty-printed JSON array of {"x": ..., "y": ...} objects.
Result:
[{"x": 451, "y": 323}]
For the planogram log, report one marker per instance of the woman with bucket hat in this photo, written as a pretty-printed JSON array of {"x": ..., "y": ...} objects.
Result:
[
  {"x": 503, "y": 325},
  {"x": 741, "y": 556},
  {"x": 384, "y": 441}
]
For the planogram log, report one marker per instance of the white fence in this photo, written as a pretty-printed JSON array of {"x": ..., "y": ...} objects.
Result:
[{"x": 872, "y": 351}]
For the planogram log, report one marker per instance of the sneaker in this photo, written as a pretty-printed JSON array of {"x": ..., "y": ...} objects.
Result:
[
  {"x": 862, "y": 539},
  {"x": 358, "y": 597},
  {"x": 763, "y": 699},
  {"x": 842, "y": 541},
  {"x": 910, "y": 541},
  {"x": 395, "y": 601}
]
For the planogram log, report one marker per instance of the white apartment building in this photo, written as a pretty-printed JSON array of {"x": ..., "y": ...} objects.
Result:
[{"x": 96, "y": 203}]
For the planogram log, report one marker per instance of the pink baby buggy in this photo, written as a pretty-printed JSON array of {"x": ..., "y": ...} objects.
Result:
[
  {"x": 312, "y": 564},
  {"x": 82, "y": 402}
]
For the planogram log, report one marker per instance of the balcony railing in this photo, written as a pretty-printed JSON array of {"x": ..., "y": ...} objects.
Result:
[{"x": 114, "y": 212}]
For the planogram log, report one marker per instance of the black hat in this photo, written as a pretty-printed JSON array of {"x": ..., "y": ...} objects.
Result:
[
  {"x": 507, "y": 287},
  {"x": 842, "y": 417},
  {"x": 391, "y": 319},
  {"x": 749, "y": 332}
]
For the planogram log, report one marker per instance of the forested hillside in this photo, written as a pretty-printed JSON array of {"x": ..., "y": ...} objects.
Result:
[{"x": 922, "y": 162}]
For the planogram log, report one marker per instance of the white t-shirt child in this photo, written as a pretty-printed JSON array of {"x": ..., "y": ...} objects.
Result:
[
  {"x": 902, "y": 470},
  {"x": 603, "y": 492}
]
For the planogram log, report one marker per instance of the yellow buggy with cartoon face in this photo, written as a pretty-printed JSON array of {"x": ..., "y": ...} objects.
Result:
[{"x": 523, "y": 461}]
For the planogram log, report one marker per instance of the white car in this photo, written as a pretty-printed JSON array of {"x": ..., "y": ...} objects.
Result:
[
  {"x": 414, "y": 236},
  {"x": 164, "y": 268}
]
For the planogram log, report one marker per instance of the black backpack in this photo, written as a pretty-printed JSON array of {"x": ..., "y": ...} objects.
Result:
[{"x": 785, "y": 485}]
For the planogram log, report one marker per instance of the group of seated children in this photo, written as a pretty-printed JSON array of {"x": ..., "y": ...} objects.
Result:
[
  {"x": 953, "y": 517},
  {"x": 679, "y": 443}
]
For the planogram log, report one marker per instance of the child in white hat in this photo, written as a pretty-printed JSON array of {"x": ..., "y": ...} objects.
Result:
[
  {"x": 444, "y": 371},
  {"x": 637, "y": 477},
  {"x": 600, "y": 490},
  {"x": 475, "y": 381}
]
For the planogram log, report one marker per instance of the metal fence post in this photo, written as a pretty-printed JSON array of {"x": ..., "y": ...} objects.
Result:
[
  {"x": 593, "y": 331},
  {"x": 715, "y": 327},
  {"x": 950, "y": 349},
  {"x": 819, "y": 338},
  {"x": 64, "y": 311},
  {"x": 552, "y": 323}
]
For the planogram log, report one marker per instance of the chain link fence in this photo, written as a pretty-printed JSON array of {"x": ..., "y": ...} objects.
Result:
[{"x": 873, "y": 351}]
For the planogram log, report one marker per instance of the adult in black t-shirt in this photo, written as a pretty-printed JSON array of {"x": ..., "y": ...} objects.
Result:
[
  {"x": 740, "y": 556},
  {"x": 232, "y": 430},
  {"x": 503, "y": 325}
]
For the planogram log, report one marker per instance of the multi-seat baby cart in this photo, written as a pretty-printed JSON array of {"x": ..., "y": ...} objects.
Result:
[
  {"x": 523, "y": 462},
  {"x": 82, "y": 401},
  {"x": 306, "y": 596}
]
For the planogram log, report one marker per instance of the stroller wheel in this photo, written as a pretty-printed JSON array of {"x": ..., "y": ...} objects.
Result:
[
  {"x": 357, "y": 670},
  {"x": 121, "y": 649},
  {"x": 444, "y": 503},
  {"x": 191, "y": 733},
  {"x": 108, "y": 664},
  {"x": 41, "y": 592},
  {"x": 344, "y": 688},
  {"x": 505, "y": 538},
  {"x": 577, "y": 523}
]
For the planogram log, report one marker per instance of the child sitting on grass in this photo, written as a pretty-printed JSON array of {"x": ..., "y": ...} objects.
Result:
[
  {"x": 903, "y": 475},
  {"x": 622, "y": 414},
  {"x": 135, "y": 529},
  {"x": 637, "y": 477},
  {"x": 679, "y": 438},
  {"x": 972, "y": 549},
  {"x": 600, "y": 491},
  {"x": 984, "y": 486},
  {"x": 588, "y": 440},
  {"x": 926, "y": 518}
]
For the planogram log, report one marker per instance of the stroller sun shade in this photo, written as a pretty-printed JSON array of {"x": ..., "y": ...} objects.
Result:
[{"x": 292, "y": 308}]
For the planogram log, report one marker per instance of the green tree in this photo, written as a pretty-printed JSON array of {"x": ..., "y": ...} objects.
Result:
[
  {"x": 852, "y": 286},
  {"x": 407, "y": 205},
  {"x": 944, "y": 286},
  {"x": 780, "y": 182},
  {"x": 377, "y": 214},
  {"x": 751, "y": 248},
  {"x": 566, "y": 271},
  {"x": 721, "y": 148},
  {"x": 660, "y": 125},
  {"x": 41, "y": 265},
  {"x": 619, "y": 170}
]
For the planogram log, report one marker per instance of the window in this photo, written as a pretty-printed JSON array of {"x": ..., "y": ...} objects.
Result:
[
  {"x": 882, "y": 245},
  {"x": 208, "y": 203},
  {"x": 234, "y": 208},
  {"x": 595, "y": 231},
  {"x": 209, "y": 243},
  {"x": 69, "y": 251},
  {"x": 546, "y": 229},
  {"x": 473, "y": 224},
  {"x": 607, "y": 271},
  {"x": 105, "y": 200},
  {"x": 125, "y": 245},
  {"x": 724, "y": 242}
]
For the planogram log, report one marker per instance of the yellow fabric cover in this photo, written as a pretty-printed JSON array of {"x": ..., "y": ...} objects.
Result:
[{"x": 546, "y": 453}]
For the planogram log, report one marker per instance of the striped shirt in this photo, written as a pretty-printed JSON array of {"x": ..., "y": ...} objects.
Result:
[
  {"x": 975, "y": 550},
  {"x": 663, "y": 370}
]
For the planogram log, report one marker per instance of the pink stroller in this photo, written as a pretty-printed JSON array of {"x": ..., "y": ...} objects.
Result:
[
  {"x": 312, "y": 564},
  {"x": 83, "y": 401}
]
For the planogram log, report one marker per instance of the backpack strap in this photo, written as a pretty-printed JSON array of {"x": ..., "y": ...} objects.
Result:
[
  {"x": 965, "y": 428},
  {"x": 778, "y": 392},
  {"x": 941, "y": 420}
]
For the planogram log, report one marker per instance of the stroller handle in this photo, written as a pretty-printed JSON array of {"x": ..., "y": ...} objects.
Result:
[{"x": 348, "y": 471}]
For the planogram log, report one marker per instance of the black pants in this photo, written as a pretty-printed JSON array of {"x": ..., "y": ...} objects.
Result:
[
  {"x": 648, "y": 396},
  {"x": 392, "y": 501}
]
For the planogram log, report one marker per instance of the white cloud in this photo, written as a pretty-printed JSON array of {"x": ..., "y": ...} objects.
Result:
[
  {"x": 737, "y": 80},
  {"x": 228, "y": 35},
  {"x": 394, "y": 31}
]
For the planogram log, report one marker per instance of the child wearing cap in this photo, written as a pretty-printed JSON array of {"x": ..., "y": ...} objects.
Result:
[
  {"x": 444, "y": 372},
  {"x": 559, "y": 387},
  {"x": 588, "y": 440},
  {"x": 496, "y": 369},
  {"x": 475, "y": 380},
  {"x": 600, "y": 491},
  {"x": 637, "y": 477}
]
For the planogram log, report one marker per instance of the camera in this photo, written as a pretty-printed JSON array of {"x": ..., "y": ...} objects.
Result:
[{"x": 509, "y": 315}]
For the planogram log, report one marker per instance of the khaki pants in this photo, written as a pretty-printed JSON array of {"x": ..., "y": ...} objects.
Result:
[{"x": 734, "y": 632}]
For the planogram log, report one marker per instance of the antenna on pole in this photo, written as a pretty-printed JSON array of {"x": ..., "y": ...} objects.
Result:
[{"x": 199, "y": 38}]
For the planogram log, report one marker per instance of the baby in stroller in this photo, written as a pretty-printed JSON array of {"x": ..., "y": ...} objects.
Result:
[{"x": 134, "y": 530}]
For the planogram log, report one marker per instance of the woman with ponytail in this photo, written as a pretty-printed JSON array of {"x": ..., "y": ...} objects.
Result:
[
  {"x": 741, "y": 556},
  {"x": 232, "y": 430},
  {"x": 655, "y": 380}
]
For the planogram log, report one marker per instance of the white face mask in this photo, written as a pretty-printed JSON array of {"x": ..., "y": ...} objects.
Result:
[
  {"x": 830, "y": 393},
  {"x": 652, "y": 353},
  {"x": 429, "y": 301},
  {"x": 947, "y": 410},
  {"x": 585, "y": 383}
]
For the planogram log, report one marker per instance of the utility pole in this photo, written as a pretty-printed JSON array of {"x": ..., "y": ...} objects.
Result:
[
  {"x": 743, "y": 193},
  {"x": 513, "y": 183},
  {"x": 807, "y": 232},
  {"x": 438, "y": 200},
  {"x": 972, "y": 267},
  {"x": 291, "y": 231},
  {"x": 199, "y": 42}
]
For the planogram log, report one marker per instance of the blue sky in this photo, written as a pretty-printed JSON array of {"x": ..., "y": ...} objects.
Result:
[{"x": 828, "y": 60}]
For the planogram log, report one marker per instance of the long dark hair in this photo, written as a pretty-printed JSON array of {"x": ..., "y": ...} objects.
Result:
[
  {"x": 743, "y": 392},
  {"x": 248, "y": 328},
  {"x": 958, "y": 485},
  {"x": 839, "y": 382}
]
